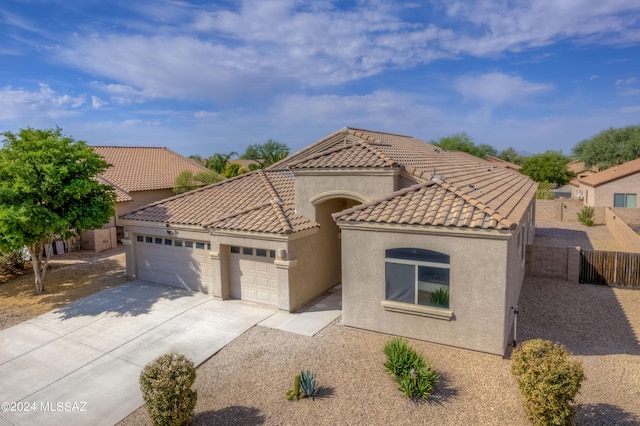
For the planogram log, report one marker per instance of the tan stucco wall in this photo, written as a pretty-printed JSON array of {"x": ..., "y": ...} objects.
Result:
[
  {"x": 477, "y": 286},
  {"x": 366, "y": 185},
  {"x": 628, "y": 239},
  {"x": 141, "y": 198},
  {"x": 602, "y": 196}
]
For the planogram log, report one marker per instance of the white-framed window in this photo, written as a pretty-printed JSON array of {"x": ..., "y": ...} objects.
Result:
[
  {"x": 625, "y": 200},
  {"x": 417, "y": 276}
]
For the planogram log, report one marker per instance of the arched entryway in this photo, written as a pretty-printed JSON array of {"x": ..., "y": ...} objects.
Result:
[{"x": 329, "y": 242}]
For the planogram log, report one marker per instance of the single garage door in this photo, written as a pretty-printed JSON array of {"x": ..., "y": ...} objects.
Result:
[
  {"x": 173, "y": 261},
  {"x": 253, "y": 275}
]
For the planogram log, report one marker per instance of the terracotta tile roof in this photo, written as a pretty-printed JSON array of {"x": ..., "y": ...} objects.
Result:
[
  {"x": 261, "y": 201},
  {"x": 429, "y": 203},
  {"x": 144, "y": 168},
  {"x": 498, "y": 188},
  {"x": 608, "y": 175},
  {"x": 121, "y": 195},
  {"x": 502, "y": 163},
  {"x": 457, "y": 189}
]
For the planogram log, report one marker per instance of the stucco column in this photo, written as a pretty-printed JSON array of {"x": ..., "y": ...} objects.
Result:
[
  {"x": 130, "y": 259},
  {"x": 283, "y": 266},
  {"x": 216, "y": 285}
]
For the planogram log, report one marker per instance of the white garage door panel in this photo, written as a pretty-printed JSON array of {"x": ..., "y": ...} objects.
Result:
[
  {"x": 176, "y": 266},
  {"x": 253, "y": 278}
]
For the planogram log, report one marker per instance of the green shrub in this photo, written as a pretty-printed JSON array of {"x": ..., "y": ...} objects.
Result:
[
  {"x": 440, "y": 297},
  {"x": 587, "y": 215},
  {"x": 544, "y": 191},
  {"x": 415, "y": 378},
  {"x": 548, "y": 380},
  {"x": 12, "y": 261},
  {"x": 166, "y": 384}
]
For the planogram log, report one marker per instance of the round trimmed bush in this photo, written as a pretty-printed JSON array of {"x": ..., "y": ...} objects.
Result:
[
  {"x": 166, "y": 384},
  {"x": 548, "y": 380}
]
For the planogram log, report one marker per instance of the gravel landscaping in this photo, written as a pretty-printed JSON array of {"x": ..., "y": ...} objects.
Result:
[{"x": 245, "y": 382}]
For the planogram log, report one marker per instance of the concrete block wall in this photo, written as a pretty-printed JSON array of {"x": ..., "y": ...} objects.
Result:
[
  {"x": 99, "y": 239},
  {"x": 553, "y": 262},
  {"x": 564, "y": 210}
]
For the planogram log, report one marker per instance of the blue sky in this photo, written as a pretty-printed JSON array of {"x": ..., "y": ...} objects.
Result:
[{"x": 205, "y": 77}]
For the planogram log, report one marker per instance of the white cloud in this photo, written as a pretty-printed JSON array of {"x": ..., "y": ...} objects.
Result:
[
  {"x": 495, "y": 89},
  {"x": 97, "y": 103},
  {"x": 205, "y": 114},
  {"x": 625, "y": 81},
  {"x": 19, "y": 103},
  {"x": 594, "y": 77},
  {"x": 120, "y": 93},
  {"x": 635, "y": 109},
  {"x": 262, "y": 46},
  {"x": 494, "y": 26}
]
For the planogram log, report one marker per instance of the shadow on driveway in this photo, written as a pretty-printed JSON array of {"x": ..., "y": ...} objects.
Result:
[{"x": 132, "y": 299}]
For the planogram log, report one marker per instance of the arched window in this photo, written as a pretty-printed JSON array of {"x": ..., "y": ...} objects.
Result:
[{"x": 417, "y": 276}]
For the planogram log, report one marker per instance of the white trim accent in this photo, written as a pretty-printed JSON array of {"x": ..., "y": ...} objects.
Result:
[
  {"x": 329, "y": 195},
  {"x": 424, "y": 311}
]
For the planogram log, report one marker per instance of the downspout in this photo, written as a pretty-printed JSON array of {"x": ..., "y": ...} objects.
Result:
[{"x": 515, "y": 324}]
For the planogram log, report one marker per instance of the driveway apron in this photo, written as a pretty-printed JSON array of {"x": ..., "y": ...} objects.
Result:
[{"x": 79, "y": 365}]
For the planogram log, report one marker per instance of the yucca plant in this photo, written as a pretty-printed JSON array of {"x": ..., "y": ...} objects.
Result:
[{"x": 415, "y": 378}]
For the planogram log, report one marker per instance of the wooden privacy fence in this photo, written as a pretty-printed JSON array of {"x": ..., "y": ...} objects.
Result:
[{"x": 613, "y": 268}]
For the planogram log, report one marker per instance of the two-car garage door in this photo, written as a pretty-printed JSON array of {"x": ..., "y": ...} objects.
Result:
[
  {"x": 186, "y": 263},
  {"x": 176, "y": 262}
]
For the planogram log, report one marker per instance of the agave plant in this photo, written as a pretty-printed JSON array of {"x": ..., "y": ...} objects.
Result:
[{"x": 308, "y": 384}]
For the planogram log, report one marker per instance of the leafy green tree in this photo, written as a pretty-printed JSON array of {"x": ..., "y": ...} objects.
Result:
[
  {"x": 511, "y": 155},
  {"x": 550, "y": 166},
  {"x": 48, "y": 188},
  {"x": 609, "y": 147},
  {"x": 197, "y": 158},
  {"x": 219, "y": 162},
  {"x": 187, "y": 181},
  {"x": 233, "y": 170},
  {"x": 265, "y": 154},
  {"x": 463, "y": 142}
]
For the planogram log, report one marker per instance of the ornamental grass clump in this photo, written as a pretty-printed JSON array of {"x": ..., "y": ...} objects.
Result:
[
  {"x": 414, "y": 375},
  {"x": 166, "y": 384},
  {"x": 548, "y": 380},
  {"x": 587, "y": 215}
]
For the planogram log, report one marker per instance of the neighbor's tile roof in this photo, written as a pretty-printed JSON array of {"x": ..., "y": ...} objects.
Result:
[
  {"x": 121, "y": 195},
  {"x": 261, "y": 201},
  {"x": 469, "y": 191},
  {"x": 608, "y": 175},
  {"x": 429, "y": 203},
  {"x": 144, "y": 168}
]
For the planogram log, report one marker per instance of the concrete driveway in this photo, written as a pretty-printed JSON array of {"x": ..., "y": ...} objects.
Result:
[{"x": 80, "y": 364}]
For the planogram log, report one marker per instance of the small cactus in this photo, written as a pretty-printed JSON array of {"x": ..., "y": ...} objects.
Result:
[{"x": 295, "y": 392}]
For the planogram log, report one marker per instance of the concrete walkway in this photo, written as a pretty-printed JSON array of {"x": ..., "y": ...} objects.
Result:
[{"x": 79, "y": 365}]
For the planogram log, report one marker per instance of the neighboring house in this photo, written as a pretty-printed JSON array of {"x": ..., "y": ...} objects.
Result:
[
  {"x": 614, "y": 187},
  {"x": 580, "y": 170},
  {"x": 140, "y": 175},
  {"x": 502, "y": 163},
  {"x": 400, "y": 223}
]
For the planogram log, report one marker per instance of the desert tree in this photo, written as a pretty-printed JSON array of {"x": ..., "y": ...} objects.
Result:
[{"x": 49, "y": 187}]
